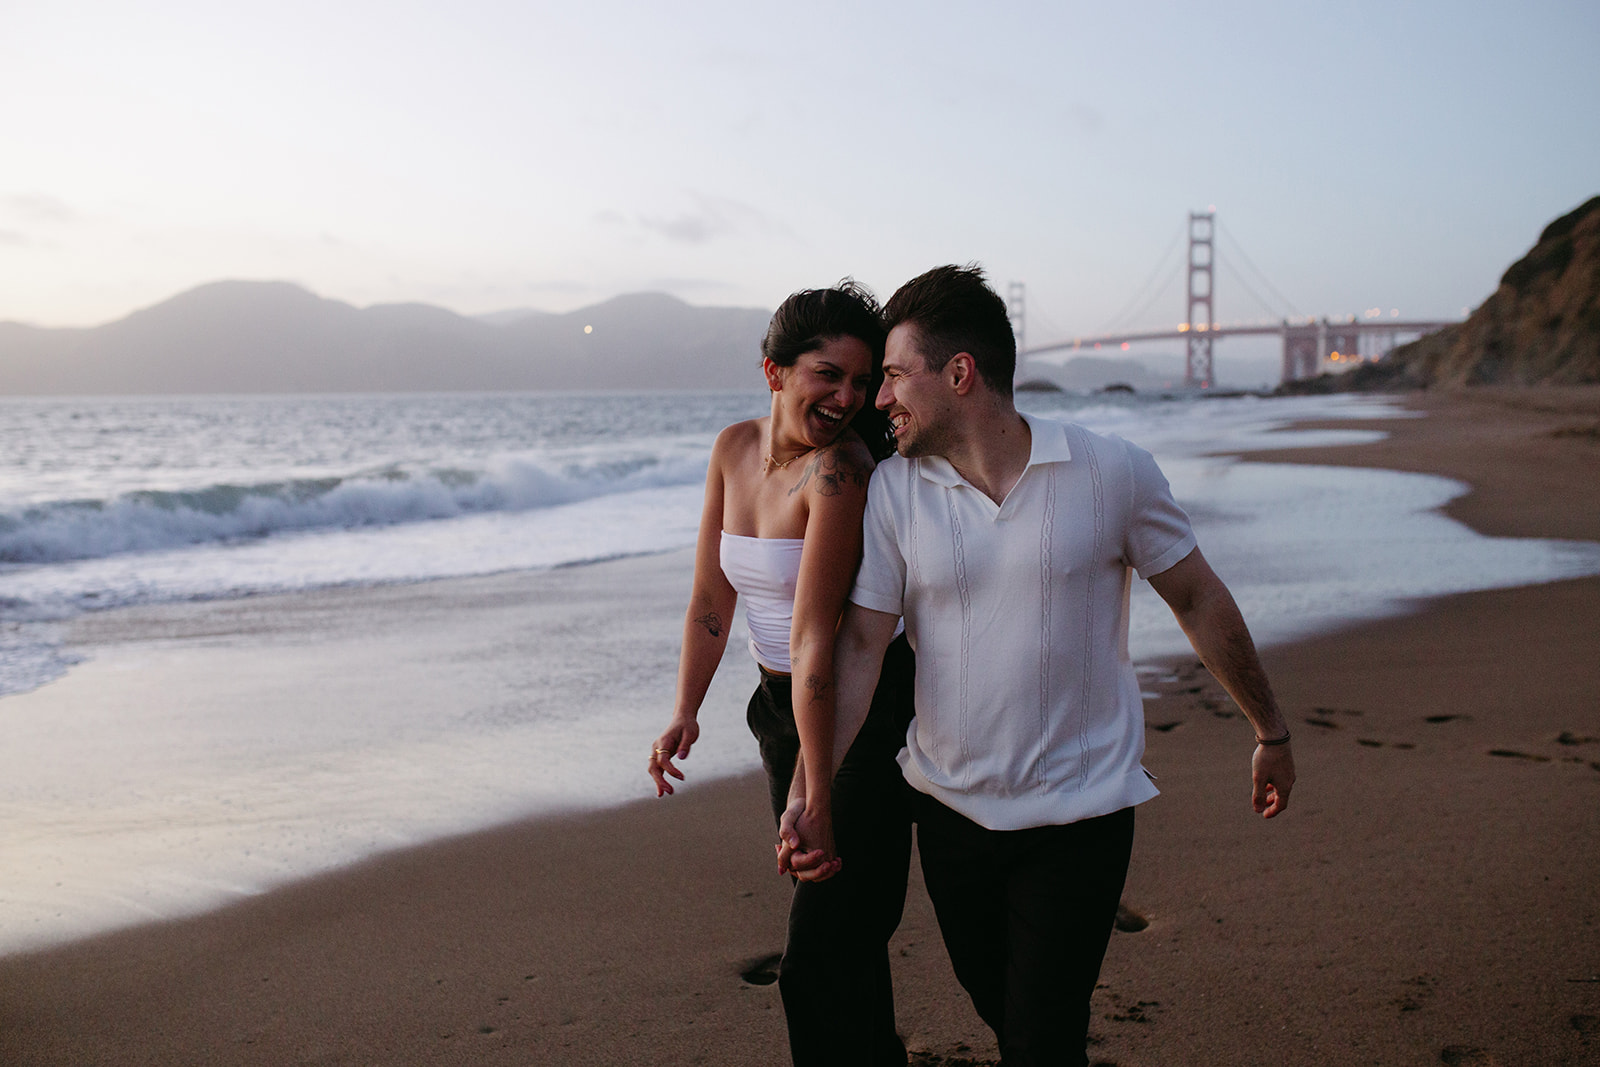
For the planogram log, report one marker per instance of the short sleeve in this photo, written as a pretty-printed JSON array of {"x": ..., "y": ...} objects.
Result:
[
  {"x": 881, "y": 581},
  {"x": 1158, "y": 534}
]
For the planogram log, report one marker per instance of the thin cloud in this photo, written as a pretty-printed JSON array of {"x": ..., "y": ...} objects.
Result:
[
  {"x": 39, "y": 207},
  {"x": 712, "y": 218},
  {"x": 685, "y": 286},
  {"x": 689, "y": 229},
  {"x": 13, "y": 237},
  {"x": 1084, "y": 117}
]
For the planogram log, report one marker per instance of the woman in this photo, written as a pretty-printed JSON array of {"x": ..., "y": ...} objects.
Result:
[{"x": 782, "y": 526}]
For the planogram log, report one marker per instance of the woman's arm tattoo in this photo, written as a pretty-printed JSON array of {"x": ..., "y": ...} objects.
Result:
[
  {"x": 712, "y": 622},
  {"x": 832, "y": 471}
]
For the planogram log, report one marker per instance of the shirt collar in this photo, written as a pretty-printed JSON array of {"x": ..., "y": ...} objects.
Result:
[{"x": 1048, "y": 444}]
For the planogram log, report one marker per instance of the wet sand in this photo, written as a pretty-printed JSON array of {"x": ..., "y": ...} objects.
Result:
[{"x": 1429, "y": 897}]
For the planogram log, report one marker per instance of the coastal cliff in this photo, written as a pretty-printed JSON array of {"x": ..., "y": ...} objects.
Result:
[{"x": 1540, "y": 327}]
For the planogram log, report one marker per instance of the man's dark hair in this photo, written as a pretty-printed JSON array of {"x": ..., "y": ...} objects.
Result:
[
  {"x": 811, "y": 318},
  {"x": 954, "y": 310}
]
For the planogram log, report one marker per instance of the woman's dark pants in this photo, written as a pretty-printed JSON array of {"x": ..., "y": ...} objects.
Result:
[{"x": 835, "y": 981}]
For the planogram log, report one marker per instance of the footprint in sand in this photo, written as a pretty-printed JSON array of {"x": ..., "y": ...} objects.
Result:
[
  {"x": 1137, "y": 1012},
  {"x": 1466, "y": 1056},
  {"x": 1586, "y": 1024},
  {"x": 761, "y": 971},
  {"x": 1418, "y": 992},
  {"x": 1446, "y": 718},
  {"x": 934, "y": 1059},
  {"x": 1511, "y": 753},
  {"x": 1128, "y": 920}
]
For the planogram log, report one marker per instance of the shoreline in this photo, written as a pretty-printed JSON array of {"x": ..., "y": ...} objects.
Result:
[{"x": 622, "y": 933}]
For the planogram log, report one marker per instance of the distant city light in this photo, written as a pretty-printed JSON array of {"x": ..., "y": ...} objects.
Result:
[
  {"x": 1124, "y": 346},
  {"x": 588, "y": 329}
]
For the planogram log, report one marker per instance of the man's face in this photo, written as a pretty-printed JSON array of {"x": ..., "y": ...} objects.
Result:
[{"x": 915, "y": 398}]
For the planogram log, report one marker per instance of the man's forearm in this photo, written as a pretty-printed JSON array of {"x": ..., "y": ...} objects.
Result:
[
  {"x": 1211, "y": 620},
  {"x": 863, "y": 638},
  {"x": 1218, "y": 633},
  {"x": 857, "y": 668}
]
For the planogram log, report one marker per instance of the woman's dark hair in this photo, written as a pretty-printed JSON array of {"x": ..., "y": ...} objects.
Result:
[{"x": 811, "y": 318}]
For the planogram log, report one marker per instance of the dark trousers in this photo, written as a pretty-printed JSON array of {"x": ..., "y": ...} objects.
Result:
[
  {"x": 1026, "y": 916},
  {"x": 837, "y": 993}
]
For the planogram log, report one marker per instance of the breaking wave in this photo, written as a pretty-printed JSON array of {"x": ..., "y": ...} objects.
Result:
[{"x": 152, "y": 520}]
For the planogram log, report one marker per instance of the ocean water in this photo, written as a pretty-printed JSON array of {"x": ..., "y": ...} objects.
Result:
[
  {"x": 139, "y": 812},
  {"x": 111, "y": 502}
]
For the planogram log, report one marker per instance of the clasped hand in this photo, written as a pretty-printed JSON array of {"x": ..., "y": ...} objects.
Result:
[{"x": 805, "y": 844}]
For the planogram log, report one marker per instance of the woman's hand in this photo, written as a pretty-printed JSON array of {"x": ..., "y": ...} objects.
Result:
[{"x": 680, "y": 734}]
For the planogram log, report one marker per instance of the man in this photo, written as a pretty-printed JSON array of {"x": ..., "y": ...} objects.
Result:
[{"x": 1008, "y": 544}]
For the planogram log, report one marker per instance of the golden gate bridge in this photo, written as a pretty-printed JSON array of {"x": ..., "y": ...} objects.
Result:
[{"x": 1310, "y": 344}]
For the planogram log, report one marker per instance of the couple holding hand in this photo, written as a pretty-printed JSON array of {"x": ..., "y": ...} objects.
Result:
[{"x": 1005, "y": 720}]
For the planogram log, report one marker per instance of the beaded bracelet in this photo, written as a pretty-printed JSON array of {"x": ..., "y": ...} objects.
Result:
[{"x": 1284, "y": 740}]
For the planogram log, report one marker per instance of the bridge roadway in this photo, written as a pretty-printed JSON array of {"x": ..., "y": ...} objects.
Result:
[{"x": 1306, "y": 345}]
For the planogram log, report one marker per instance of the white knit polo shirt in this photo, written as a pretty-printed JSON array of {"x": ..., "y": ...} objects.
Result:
[{"x": 1028, "y": 710}]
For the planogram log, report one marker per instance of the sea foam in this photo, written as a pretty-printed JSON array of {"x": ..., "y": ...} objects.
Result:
[{"x": 149, "y": 519}]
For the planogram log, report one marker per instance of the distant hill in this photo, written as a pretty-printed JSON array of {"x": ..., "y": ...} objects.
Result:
[
  {"x": 255, "y": 337},
  {"x": 1541, "y": 326}
]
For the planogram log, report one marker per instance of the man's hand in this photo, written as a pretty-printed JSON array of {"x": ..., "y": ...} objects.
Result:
[
  {"x": 680, "y": 734},
  {"x": 1272, "y": 776},
  {"x": 805, "y": 844}
]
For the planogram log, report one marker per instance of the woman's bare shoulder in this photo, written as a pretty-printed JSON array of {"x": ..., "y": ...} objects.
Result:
[
  {"x": 837, "y": 469},
  {"x": 738, "y": 438},
  {"x": 851, "y": 449}
]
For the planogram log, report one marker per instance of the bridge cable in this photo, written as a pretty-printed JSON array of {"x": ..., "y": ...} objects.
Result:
[
  {"x": 1046, "y": 327},
  {"x": 1268, "y": 308},
  {"x": 1160, "y": 292},
  {"x": 1260, "y": 276},
  {"x": 1139, "y": 294}
]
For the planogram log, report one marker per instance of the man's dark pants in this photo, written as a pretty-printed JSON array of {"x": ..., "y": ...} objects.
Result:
[
  {"x": 837, "y": 991},
  {"x": 1026, "y": 916}
]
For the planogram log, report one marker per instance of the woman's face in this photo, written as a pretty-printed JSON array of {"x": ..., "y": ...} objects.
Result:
[{"x": 824, "y": 388}]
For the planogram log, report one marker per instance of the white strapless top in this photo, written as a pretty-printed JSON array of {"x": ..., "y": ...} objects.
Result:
[{"x": 765, "y": 570}]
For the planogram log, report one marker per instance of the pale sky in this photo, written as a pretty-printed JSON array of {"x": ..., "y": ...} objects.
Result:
[{"x": 484, "y": 154}]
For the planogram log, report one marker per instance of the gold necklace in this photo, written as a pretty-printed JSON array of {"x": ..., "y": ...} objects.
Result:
[{"x": 771, "y": 463}]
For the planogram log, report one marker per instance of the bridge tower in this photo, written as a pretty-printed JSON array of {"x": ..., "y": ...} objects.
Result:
[
  {"x": 1197, "y": 368},
  {"x": 1017, "y": 312}
]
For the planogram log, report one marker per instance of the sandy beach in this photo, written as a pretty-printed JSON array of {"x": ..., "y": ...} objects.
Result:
[{"x": 1429, "y": 898}]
